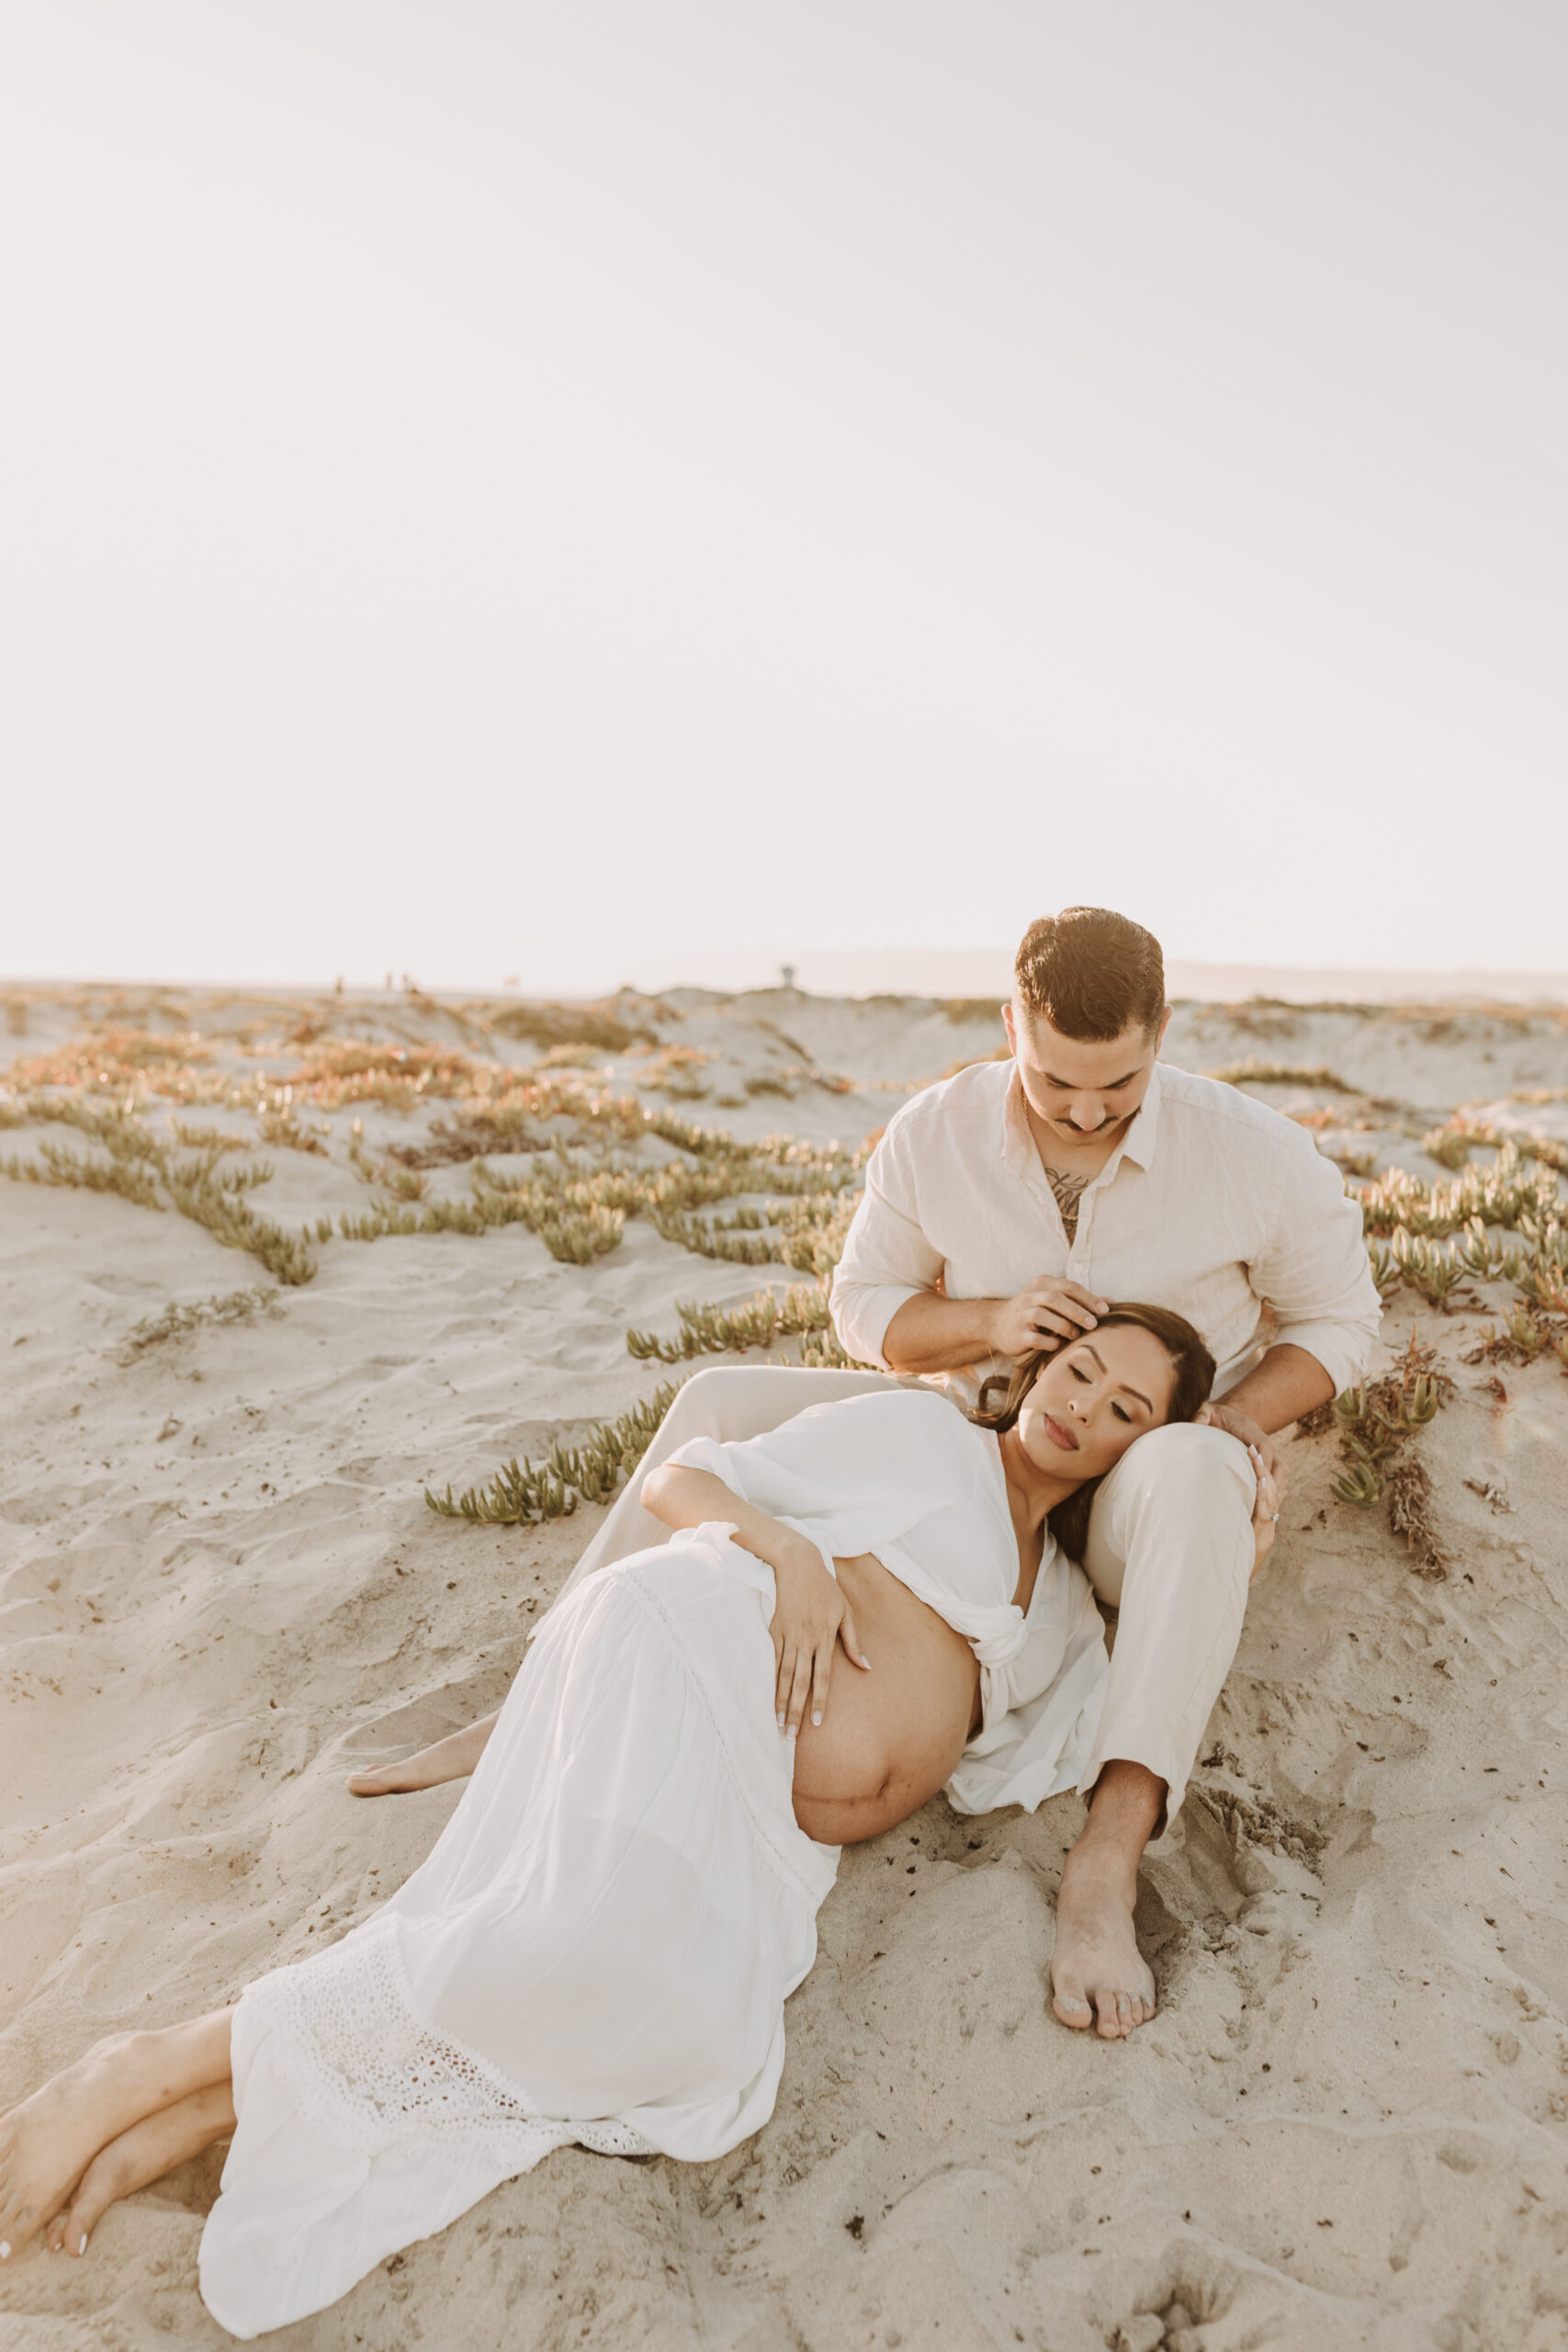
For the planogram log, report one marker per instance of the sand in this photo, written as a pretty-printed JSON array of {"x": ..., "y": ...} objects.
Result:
[{"x": 220, "y": 1590}]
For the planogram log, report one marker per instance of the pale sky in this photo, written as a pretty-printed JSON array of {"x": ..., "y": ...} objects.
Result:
[{"x": 506, "y": 490}]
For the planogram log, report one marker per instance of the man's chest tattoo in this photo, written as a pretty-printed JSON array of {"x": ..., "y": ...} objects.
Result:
[{"x": 1069, "y": 1191}]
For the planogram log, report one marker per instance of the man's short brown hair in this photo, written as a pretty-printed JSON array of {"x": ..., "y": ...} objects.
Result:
[{"x": 1092, "y": 974}]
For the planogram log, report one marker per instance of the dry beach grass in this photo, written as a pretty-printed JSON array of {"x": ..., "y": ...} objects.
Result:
[{"x": 273, "y": 1268}]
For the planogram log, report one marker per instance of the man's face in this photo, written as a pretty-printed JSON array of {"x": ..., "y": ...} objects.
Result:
[{"x": 1079, "y": 1088}]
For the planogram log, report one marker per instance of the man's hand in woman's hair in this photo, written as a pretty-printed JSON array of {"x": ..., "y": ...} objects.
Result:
[
  {"x": 811, "y": 1617},
  {"x": 1051, "y": 1313}
]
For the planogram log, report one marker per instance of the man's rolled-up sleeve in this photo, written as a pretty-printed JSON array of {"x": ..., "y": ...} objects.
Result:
[
  {"x": 887, "y": 1259},
  {"x": 1314, "y": 1271}
]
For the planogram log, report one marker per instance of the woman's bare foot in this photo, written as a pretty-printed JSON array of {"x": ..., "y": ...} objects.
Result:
[
  {"x": 144, "y": 2153},
  {"x": 1098, "y": 1977},
  {"x": 48, "y": 2142},
  {"x": 451, "y": 1758}
]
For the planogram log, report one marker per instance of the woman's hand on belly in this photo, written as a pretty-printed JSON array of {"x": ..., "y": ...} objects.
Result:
[
  {"x": 811, "y": 1618},
  {"x": 892, "y": 1737}
]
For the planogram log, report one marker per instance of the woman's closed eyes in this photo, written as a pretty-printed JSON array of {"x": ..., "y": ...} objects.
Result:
[{"x": 1119, "y": 1410}]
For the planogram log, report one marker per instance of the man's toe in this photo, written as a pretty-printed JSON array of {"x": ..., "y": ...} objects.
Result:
[{"x": 1072, "y": 2008}]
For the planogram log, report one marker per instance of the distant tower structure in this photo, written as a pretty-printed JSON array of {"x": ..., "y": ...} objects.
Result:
[{"x": 786, "y": 973}]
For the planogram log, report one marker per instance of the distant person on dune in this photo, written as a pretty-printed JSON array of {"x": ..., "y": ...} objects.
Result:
[{"x": 1003, "y": 1208}]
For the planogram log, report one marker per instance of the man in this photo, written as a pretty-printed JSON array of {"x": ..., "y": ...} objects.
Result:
[
  {"x": 1004, "y": 1209},
  {"x": 1007, "y": 1205}
]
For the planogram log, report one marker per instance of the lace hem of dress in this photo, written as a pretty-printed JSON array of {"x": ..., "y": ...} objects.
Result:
[{"x": 368, "y": 2072}]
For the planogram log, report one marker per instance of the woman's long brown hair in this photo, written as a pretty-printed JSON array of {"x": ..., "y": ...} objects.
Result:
[{"x": 1193, "y": 1370}]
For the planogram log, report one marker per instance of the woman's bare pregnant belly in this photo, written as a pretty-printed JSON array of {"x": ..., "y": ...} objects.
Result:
[{"x": 890, "y": 1738}]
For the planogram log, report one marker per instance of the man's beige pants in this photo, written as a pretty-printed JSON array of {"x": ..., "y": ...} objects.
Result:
[{"x": 1169, "y": 1548}]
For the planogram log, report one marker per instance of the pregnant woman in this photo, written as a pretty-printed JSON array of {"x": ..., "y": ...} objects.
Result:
[{"x": 599, "y": 1946}]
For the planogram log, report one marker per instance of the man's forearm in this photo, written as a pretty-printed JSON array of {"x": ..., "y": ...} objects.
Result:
[
  {"x": 1288, "y": 1383},
  {"x": 932, "y": 1334}
]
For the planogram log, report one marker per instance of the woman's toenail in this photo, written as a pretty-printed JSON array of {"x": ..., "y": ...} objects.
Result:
[
  {"x": 4, "y": 2249},
  {"x": 83, "y": 2247}
]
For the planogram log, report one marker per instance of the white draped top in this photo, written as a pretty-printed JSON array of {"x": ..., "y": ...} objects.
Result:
[{"x": 904, "y": 1476}]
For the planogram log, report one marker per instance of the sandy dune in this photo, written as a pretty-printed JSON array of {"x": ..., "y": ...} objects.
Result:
[{"x": 220, "y": 1589}]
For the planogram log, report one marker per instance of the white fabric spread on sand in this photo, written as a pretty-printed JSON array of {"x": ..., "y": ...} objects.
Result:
[{"x": 599, "y": 1946}]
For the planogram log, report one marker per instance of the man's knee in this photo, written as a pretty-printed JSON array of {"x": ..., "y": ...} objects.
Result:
[
  {"x": 1185, "y": 1459},
  {"x": 697, "y": 1407},
  {"x": 1183, "y": 1492},
  {"x": 732, "y": 1402},
  {"x": 736, "y": 1401}
]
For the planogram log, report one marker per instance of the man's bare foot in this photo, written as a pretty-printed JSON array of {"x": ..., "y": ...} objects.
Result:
[
  {"x": 1098, "y": 1977},
  {"x": 144, "y": 2153},
  {"x": 451, "y": 1758}
]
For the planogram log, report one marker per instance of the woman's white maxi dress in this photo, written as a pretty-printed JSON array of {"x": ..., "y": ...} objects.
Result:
[{"x": 601, "y": 1945}]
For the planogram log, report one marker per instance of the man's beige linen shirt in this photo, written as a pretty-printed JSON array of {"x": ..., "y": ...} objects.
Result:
[{"x": 1211, "y": 1203}]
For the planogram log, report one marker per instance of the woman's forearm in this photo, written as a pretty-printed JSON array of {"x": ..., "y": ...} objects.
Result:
[{"x": 683, "y": 1496}]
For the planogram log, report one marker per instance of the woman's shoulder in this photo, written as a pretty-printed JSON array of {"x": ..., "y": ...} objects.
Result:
[{"x": 910, "y": 1443}]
